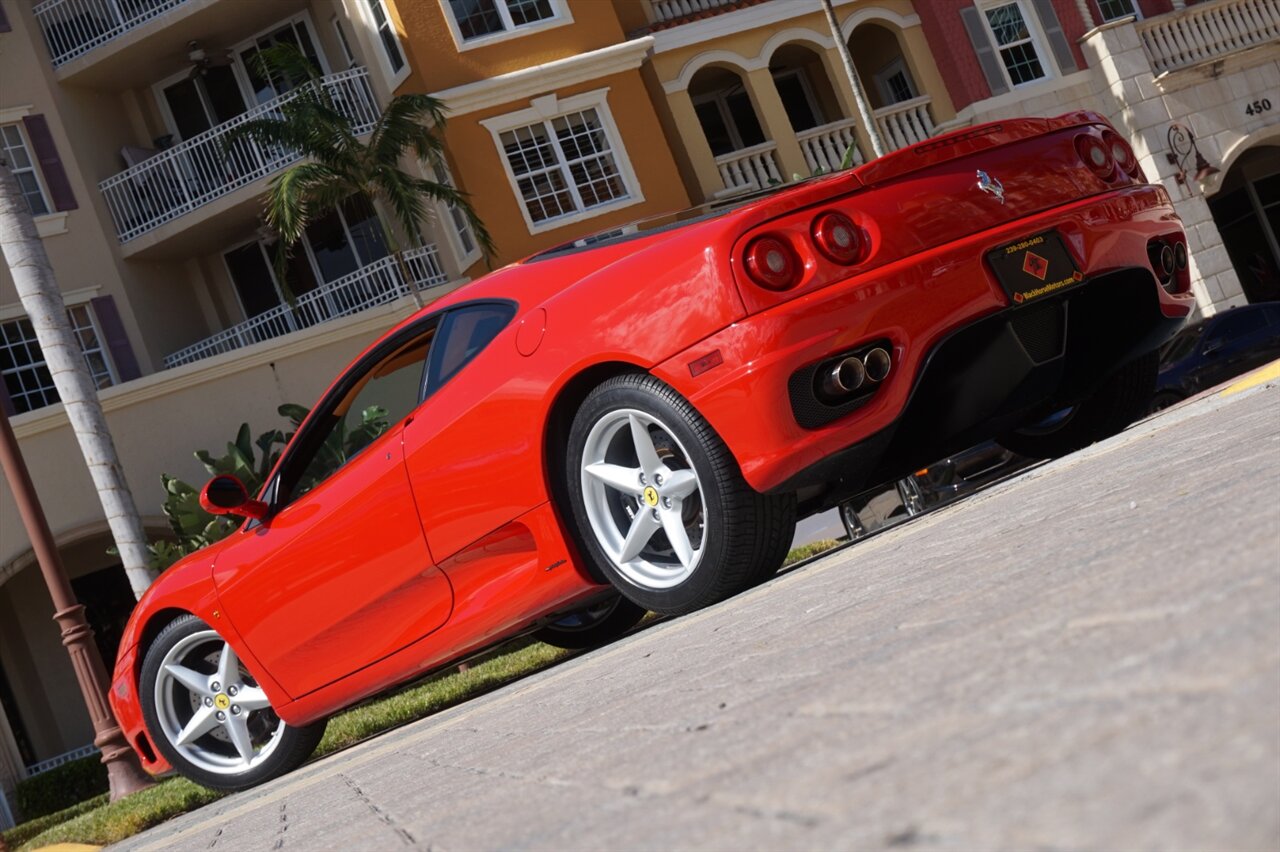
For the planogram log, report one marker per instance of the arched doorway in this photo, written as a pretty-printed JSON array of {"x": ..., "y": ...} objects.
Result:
[
  {"x": 38, "y": 689},
  {"x": 725, "y": 111},
  {"x": 1246, "y": 210},
  {"x": 803, "y": 87},
  {"x": 882, "y": 66}
]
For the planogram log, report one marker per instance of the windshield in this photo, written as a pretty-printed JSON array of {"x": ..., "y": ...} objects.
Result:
[{"x": 1182, "y": 345}]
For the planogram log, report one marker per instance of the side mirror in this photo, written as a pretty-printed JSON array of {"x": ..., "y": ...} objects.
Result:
[
  {"x": 1212, "y": 347},
  {"x": 226, "y": 495}
]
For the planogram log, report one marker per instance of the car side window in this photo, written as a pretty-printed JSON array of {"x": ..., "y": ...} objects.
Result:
[
  {"x": 464, "y": 333},
  {"x": 369, "y": 403}
]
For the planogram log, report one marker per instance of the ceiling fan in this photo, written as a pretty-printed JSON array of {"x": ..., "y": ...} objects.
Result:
[{"x": 204, "y": 58}]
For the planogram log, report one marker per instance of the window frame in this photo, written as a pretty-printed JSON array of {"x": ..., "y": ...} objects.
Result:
[
  {"x": 560, "y": 16},
  {"x": 457, "y": 219},
  {"x": 344, "y": 43},
  {"x": 102, "y": 349},
  {"x": 307, "y": 251},
  {"x": 1048, "y": 64},
  {"x": 544, "y": 110},
  {"x": 806, "y": 89},
  {"x": 1136, "y": 13},
  {"x": 890, "y": 69},
  {"x": 33, "y": 167},
  {"x": 351, "y": 378},
  {"x": 241, "y": 72},
  {"x": 394, "y": 77}
]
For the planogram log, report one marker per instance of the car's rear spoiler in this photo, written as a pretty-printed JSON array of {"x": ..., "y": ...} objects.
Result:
[{"x": 966, "y": 141}]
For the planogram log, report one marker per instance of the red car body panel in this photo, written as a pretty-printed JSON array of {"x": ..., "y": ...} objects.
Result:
[
  {"x": 303, "y": 590},
  {"x": 913, "y": 302},
  {"x": 443, "y": 536}
]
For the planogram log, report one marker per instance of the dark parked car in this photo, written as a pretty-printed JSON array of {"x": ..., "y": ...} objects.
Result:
[{"x": 1216, "y": 349}]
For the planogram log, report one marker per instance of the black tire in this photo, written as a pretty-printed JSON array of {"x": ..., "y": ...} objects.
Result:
[
  {"x": 745, "y": 534},
  {"x": 289, "y": 746},
  {"x": 1163, "y": 400},
  {"x": 1123, "y": 398},
  {"x": 594, "y": 626}
]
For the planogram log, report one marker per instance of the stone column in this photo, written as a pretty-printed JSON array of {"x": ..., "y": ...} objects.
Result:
[
  {"x": 695, "y": 143},
  {"x": 776, "y": 124},
  {"x": 1133, "y": 101}
]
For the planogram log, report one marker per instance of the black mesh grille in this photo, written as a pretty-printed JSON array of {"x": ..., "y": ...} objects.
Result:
[{"x": 1041, "y": 329}]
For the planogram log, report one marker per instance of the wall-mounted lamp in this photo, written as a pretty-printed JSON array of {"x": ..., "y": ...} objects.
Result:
[{"x": 1182, "y": 144}]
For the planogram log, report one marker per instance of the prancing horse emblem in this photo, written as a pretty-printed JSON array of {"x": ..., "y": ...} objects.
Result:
[{"x": 987, "y": 183}]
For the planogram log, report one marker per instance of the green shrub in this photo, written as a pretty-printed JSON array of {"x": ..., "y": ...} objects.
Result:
[
  {"x": 28, "y": 829},
  {"x": 61, "y": 787}
]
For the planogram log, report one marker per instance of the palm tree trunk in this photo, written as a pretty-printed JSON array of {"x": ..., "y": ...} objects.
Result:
[
  {"x": 865, "y": 114},
  {"x": 393, "y": 246},
  {"x": 42, "y": 300}
]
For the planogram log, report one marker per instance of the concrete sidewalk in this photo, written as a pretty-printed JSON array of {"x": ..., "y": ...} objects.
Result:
[{"x": 1086, "y": 656}]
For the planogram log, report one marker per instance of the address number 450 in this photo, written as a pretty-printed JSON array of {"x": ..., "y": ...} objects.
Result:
[{"x": 1258, "y": 107}]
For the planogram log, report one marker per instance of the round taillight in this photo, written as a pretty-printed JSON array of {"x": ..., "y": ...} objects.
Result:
[
  {"x": 772, "y": 263},
  {"x": 838, "y": 238},
  {"x": 1095, "y": 155},
  {"x": 1121, "y": 152}
]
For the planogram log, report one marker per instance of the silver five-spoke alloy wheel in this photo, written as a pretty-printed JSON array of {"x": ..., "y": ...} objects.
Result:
[
  {"x": 210, "y": 709},
  {"x": 643, "y": 499}
]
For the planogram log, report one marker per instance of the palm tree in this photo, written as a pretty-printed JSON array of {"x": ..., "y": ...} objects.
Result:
[
  {"x": 42, "y": 300},
  {"x": 337, "y": 164}
]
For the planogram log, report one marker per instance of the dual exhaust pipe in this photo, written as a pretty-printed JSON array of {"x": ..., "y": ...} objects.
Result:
[
  {"x": 849, "y": 374},
  {"x": 1166, "y": 260}
]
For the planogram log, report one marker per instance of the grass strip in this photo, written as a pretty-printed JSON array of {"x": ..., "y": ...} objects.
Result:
[{"x": 805, "y": 551}]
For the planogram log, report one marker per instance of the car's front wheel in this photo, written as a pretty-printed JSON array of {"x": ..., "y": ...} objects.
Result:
[
  {"x": 660, "y": 504},
  {"x": 209, "y": 717}
]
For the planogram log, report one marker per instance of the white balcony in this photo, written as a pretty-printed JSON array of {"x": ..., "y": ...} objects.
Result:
[
  {"x": 74, "y": 27},
  {"x": 376, "y": 284},
  {"x": 749, "y": 168},
  {"x": 1208, "y": 31},
  {"x": 905, "y": 123},
  {"x": 206, "y": 167},
  {"x": 824, "y": 147}
]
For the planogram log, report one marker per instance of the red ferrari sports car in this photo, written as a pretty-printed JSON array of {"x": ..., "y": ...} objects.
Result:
[{"x": 634, "y": 422}]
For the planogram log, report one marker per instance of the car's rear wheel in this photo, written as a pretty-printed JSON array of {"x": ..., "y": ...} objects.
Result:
[
  {"x": 209, "y": 717},
  {"x": 1163, "y": 400},
  {"x": 594, "y": 626},
  {"x": 1122, "y": 399},
  {"x": 660, "y": 504}
]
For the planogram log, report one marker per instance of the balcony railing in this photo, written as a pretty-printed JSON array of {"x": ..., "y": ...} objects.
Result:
[
  {"x": 668, "y": 10},
  {"x": 750, "y": 168},
  {"x": 74, "y": 27},
  {"x": 205, "y": 167},
  {"x": 65, "y": 757},
  {"x": 824, "y": 147},
  {"x": 906, "y": 123},
  {"x": 1209, "y": 31},
  {"x": 376, "y": 284}
]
